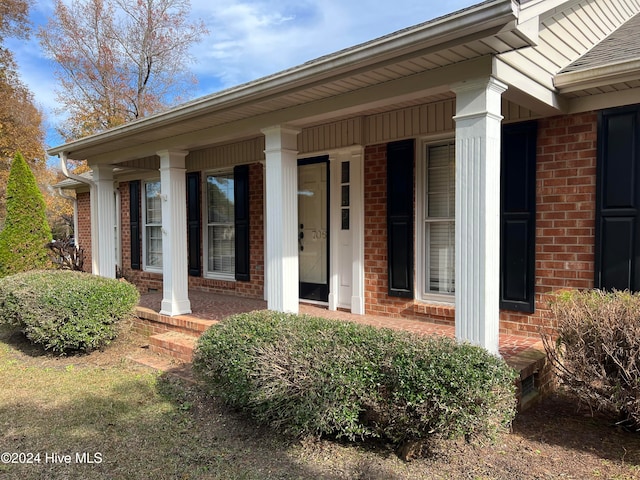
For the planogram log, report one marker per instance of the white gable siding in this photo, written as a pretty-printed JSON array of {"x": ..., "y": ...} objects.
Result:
[{"x": 568, "y": 34}]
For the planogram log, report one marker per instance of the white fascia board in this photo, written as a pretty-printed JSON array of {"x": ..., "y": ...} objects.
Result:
[
  {"x": 498, "y": 14},
  {"x": 534, "y": 95},
  {"x": 604, "y": 100},
  {"x": 597, "y": 77}
]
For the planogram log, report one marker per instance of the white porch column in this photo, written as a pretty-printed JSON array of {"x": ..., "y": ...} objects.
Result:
[
  {"x": 175, "y": 292},
  {"x": 282, "y": 274},
  {"x": 478, "y": 125},
  {"x": 102, "y": 222}
]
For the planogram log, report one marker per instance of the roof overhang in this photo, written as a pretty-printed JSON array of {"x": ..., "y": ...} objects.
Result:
[
  {"x": 583, "y": 80},
  {"x": 241, "y": 112}
]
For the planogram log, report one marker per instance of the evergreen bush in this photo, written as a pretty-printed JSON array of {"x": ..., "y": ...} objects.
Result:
[
  {"x": 26, "y": 231},
  {"x": 312, "y": 376},
  {"x": 66, "y": 311}
]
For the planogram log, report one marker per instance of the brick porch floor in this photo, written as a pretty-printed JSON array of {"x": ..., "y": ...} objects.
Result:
[{"x": 213, "y": 306}]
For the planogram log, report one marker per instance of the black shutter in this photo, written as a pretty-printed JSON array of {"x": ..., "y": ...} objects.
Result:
[
  {"x": 618, "y": 200},
  {"x": 193, "y": 223},
  {"x": 241, "y": 201},
  {"x": 518, "y": 217},
  {"x": 134, "y": 224},
  {"x": 400, "y": 157}
]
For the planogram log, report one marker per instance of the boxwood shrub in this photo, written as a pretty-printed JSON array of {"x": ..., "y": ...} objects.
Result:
[
  {"x": 312, "y": 376},
  {"x": 66, "y": 311}
]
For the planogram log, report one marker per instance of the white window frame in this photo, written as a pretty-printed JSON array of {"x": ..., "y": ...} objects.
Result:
[
  {"x": 146, "y": 225},
  {"x": 421, "y": 221},
  {"x": 212, "y": 274}
]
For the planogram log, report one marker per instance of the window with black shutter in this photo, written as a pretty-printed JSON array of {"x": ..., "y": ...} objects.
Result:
[
  {"x": 518, "y": 217},
  {"x": 242, "y": 239},
  {"x": 193, "y": 223},
  {"x": 400, "y": 157},
  {"x": 617, "y": 263},
  {"x": 134, "y": 224}
]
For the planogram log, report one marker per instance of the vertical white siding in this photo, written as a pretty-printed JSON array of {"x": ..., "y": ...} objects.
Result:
[
  {"x": 332, "y": 136},
  {"x": 220, "y": 156}
]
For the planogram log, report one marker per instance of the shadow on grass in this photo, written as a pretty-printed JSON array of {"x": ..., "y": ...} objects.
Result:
[
  {"x": 560, "y": 420},
  {"x": 14, "y": 337},
  {"x": 137, "y": 425}
]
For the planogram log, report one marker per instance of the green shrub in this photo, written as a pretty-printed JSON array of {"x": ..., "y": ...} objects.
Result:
[
  {"x": 26, "y": 231},
  {"x": 596, "y": 352},
  {"x": 312, "y": 376},
  {"x": 66, "y": 311}
]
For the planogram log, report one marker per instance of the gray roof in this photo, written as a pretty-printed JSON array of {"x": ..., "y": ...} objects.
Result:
[
  {"x": 69, "y": 183},
  {"x": 621, "y": 46}
]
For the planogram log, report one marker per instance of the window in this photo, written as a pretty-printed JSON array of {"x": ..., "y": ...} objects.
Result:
[
  {"x": 220, "y": 218},
  {"x": 153, "y": 225},
  {"x": 437, "y": 222}
]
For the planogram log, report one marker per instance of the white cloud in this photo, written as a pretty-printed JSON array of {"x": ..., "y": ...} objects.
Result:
[{"x": 250, "y": 39}]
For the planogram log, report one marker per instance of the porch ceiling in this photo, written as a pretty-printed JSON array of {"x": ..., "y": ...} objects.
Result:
[{"x": 414, "y": 65}]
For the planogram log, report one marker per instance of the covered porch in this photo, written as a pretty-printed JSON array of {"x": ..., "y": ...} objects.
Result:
[{"x": 175, "y": 336}]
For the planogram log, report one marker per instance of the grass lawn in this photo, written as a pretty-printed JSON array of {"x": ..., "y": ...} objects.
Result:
[{"x": 132, "y": 423}]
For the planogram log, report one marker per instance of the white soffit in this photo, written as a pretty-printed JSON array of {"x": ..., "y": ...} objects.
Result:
[{"x": 479, "y": 31}]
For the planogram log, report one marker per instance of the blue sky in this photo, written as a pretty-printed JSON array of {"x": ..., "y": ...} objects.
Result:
[{"x": 250, "y": 39}]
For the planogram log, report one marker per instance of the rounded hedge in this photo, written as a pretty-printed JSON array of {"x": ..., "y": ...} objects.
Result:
[
  {"x": 312, "y": 376},
  {"x": 66, "y": 311}
]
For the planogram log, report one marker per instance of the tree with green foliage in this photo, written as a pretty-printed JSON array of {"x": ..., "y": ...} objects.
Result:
[{"x": 26, "y": 231}]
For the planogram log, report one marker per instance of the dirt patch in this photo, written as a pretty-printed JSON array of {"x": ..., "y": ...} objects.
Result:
[{"x": 555, "y": 439}]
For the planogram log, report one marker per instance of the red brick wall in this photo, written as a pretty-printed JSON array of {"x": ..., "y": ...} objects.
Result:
[
  {"x": 83, "y": 235},
  {"x": 565, "y": 229},
  {"x": 377, "y": 299},
  {"x": 253, "y": 288}
]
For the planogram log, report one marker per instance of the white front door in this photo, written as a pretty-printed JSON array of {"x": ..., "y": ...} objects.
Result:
[{"x": 313, "y": 232}]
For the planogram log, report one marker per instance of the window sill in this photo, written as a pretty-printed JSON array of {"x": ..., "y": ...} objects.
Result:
[
  {"x": 221, "y": 278},
  {"x": 152, "y": 270}
]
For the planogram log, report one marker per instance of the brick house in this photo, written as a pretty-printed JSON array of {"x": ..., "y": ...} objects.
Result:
[{"x": 457, "y": 171}]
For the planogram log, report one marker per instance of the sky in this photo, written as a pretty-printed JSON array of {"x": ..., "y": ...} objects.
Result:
[{"x": 248, "y": 39}]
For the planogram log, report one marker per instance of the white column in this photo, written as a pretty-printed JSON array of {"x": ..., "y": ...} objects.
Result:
[
  {"x": 356, "y": 197},
  {"x": 478, "y": 125},
  {"x": 102, "y": 227},
  {"x": 175, "y": 292},
  {"x": 281, "y": 271}
]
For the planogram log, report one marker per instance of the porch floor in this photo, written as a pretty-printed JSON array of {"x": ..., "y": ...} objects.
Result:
[{"x": 214, "y": 307}]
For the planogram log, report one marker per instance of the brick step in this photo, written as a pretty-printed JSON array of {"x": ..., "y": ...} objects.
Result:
[
  {"x": 174, "y": 344},
  {"x": 180, "y": 323}
]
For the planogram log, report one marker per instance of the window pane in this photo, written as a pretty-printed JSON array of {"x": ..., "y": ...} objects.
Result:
[
  {"x": 221, "y": 249},
  {"x": 220, "y": 198},
  {"x": 441, "y": 257},
  {"x": 153, "y": 203},
  {"x": 439, "y": 235},
  {"x": 154, "y": 246},
  {"x": 440, "y": 181},
  {"x": 221, "y": 221}
]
